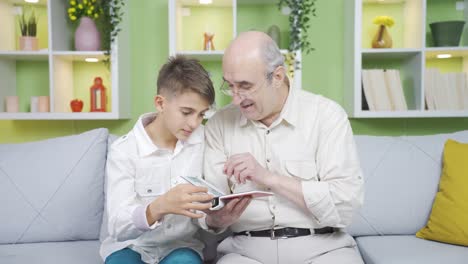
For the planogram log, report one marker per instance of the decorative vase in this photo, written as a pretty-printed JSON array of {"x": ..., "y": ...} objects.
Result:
[
  {"x": 447, "y": 33},
  {"x": 28, "y": 43},
  {"x": 382, "y": 38},
  {"x": 274, "y": 33},
  {"x": 87, "y": 37}
]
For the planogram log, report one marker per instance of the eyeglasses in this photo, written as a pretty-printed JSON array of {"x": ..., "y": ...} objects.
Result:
[{"x": 242, "y": 91}]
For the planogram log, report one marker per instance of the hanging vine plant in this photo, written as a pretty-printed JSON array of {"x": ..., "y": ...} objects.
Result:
[
  {"x": 300, "y": 12},
  {"x": 112, "y": 16},
  {"x": 299, "y": 22}
]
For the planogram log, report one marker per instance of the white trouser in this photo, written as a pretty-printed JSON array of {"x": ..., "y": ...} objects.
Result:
[{"x": 337, "y": 247}]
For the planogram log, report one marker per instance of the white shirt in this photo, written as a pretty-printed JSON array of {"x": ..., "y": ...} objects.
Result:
[
  {"x": 138, "y": 172},
  {"x": 310, "y": 141}
]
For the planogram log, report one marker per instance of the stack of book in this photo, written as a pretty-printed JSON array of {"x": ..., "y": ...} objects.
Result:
[
  {"x": 383, "y": 90},
  {"x": 445, "y": 91}
]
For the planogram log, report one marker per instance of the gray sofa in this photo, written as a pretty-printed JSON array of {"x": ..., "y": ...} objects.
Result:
[{"x": 52, "y": 197}]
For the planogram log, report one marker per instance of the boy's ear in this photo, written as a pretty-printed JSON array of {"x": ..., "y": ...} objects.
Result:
[{"x": 159, "y": 103}]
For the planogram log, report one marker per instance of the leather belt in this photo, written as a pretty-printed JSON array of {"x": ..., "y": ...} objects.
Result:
[{"x": 286, "y": 232}]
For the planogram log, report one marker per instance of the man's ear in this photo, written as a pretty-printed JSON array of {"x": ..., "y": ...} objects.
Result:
[
  {"x": 160, "y": 103},
  {"x": 279, "y": 74}
]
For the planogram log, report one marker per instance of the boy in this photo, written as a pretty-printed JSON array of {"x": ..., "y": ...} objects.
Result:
[{"x": 150, "y": 207}]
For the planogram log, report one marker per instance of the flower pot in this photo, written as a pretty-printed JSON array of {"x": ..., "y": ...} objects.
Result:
[
  {"x": 382, "y": 39},
  {"x": 87, "y": 37},
  {"x": 28, "y": 43},
  {"x": 447, "y": 33}
]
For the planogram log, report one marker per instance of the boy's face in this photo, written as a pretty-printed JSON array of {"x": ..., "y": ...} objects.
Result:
[{"x": 182, "y": 113}]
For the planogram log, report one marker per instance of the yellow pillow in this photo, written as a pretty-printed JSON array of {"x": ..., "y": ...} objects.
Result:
[{"x": 448, "y": 221}]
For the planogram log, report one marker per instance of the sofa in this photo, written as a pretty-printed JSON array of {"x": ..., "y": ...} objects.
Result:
[{"x": 52, "y": 197}]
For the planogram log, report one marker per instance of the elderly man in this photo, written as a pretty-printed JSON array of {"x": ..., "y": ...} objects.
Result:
[{"x": 291, "y": 142}]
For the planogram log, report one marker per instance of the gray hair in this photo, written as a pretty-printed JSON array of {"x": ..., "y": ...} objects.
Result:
[{"x": 272, "y": 57}]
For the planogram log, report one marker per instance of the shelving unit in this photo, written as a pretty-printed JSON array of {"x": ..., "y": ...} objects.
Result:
[
  {"x": 56, "y": 69},
  {"x": 412, "y": 52},
  {"x": 188, "y": 20}
]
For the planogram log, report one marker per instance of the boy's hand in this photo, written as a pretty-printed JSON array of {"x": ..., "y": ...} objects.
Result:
[
  {"x": 183, "y": 199},
  {"x": 227, "y": 215}
]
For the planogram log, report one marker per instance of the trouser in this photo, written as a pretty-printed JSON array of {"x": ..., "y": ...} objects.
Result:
[
  {"x": 178, "y": 256},
  {"x": 337, "y": 247}
]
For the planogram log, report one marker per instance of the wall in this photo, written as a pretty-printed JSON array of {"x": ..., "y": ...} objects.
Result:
[{"x": 322, "y": 74}]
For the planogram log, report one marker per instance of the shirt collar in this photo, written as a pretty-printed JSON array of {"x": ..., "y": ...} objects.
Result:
[
  {"x": 146, "y": 145},
  {"x": 289, "y": 113},
  {"x": 144, "y": 142}
]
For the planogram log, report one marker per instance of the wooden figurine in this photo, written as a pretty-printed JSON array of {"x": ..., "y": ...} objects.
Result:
[{"x": 208, "y": 43}]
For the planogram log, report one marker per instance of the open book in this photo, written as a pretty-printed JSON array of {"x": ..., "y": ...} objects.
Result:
[{"x": 220, "y": 198}]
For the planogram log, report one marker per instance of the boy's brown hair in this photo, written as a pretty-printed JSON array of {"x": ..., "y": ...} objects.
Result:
[{"x": 181, "y": 74}]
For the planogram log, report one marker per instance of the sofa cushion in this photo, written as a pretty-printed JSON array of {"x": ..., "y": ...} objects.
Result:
[
  {"x": 76, "y": 252},
  {"x": 52, "y": 190},
  {"x": 409, "y": 250},
  {"x": 449, "y": 217},
  {"x": 104, "y": 233},
  {"x": 401, "y": 176}
]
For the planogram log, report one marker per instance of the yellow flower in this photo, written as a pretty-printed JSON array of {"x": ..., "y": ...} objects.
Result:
[
  {"x": 72, "y": 2},
  {"x": 89, "y": 12},
  {"x": 85, "y": 2},
  {"x": 71, "y": 10},
  {"x": 80, "y": 6},
  {"x": 73, "y": 18},
  {"x": 96, "y": 15},
  {"x": 91, "y": 8},
  {"x": 384, "y": 20}
]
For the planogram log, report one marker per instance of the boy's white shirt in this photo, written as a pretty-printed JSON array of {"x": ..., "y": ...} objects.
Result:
[{"x": 137, "y": 172}]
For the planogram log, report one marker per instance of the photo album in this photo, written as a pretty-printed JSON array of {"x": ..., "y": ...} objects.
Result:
[{"x": 221, "y": 198}]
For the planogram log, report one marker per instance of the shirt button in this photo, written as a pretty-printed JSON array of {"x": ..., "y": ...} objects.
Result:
[
  {"x": 169, "y": 226},
  {"x": 149, "y": 191},
  {"x": 268, "y": 160},
  {"x": 268, "y": 132}
]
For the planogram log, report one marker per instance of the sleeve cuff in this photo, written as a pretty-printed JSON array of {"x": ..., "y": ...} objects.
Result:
[
  {"x": 140, "y": 221},
  {"x": 317, "y": 199}
]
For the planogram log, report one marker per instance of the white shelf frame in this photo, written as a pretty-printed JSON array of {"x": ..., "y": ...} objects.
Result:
[
  {"x": 59, "y": 47},
  {"x": 218, "y": 54},
  {"x": 353, "y": 65}
]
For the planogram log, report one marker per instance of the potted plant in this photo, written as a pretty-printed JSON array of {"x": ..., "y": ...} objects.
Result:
[
  {"x": 28, "y": 28},
  {"x": 95, "y": 17},
  {"x": 87, "y": 36}
]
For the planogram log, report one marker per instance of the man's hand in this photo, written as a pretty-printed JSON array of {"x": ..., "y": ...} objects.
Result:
[
  {"x": 227, "y": 215},
  {"x": 245, "y": 167},
  {"x": 183, "y": 199}
]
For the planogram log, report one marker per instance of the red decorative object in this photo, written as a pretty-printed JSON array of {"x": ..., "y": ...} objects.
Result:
[
  {"x": 98, "y": 96},
  {"x": 76, "y": 105}
]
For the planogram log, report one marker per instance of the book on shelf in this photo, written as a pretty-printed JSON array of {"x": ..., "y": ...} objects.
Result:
[
  {"x": 445, "y": 91},
  {"x": 383, "y": 90},
  {"x": 395, "y": 90}
]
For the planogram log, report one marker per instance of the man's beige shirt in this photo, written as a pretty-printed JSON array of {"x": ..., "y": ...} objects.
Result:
[{"x": 311, "y": 141}]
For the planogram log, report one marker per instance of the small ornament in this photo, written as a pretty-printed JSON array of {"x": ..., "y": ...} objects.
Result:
[
  {"x": 208, "y": 43},
  {"x": 76, "y": 105},
  {"x": 98, "y": 96}
]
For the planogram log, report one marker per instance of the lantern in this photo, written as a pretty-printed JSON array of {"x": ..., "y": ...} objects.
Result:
[{"x": 98, "y": 96}]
